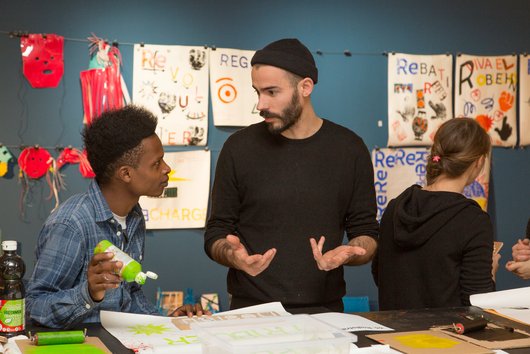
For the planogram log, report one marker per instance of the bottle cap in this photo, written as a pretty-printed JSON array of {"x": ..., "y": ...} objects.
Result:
[
  {"x": 141, "y": 277},
  {"x": 9, "y": 245},
  {"x": 151, "y": 275}
]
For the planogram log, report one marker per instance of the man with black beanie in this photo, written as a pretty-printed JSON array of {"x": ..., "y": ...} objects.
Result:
[{"x": 287, "y": 190}]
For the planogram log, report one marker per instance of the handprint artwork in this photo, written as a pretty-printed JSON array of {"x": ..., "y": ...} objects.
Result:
[
  {"x": 417, "y": 97},
  {"x": 487, "y": 91},
  {"x": 439, "y": 110},
  {"x": 506, "y": 101},
  {"x": 408, "y": 113},
  {"x": 506, "y": 130}
]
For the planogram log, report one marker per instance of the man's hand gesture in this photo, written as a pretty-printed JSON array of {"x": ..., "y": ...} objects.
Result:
[
  {"x": 333, "y": 258},
  {"x": 253, "y": 265}
]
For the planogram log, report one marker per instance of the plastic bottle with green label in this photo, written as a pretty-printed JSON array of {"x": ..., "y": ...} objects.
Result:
[
  {"x": 131, "y": 270},
  {"x": 12, "y": 295}
]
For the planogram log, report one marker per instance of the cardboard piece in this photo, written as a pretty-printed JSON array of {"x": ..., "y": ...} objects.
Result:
[
  {"x": 519, "y": 315},
  {"x": 427, "y": 342},
  {"x": 494, "y": 337},
  {"x": 91, "y": 345}
]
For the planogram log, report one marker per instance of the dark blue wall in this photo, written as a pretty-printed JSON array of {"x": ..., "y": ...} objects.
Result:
[{"x": 351, "y": 91}]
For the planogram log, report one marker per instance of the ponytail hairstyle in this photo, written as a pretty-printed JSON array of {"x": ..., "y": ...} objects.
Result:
[{"x": 458, "y": 143}]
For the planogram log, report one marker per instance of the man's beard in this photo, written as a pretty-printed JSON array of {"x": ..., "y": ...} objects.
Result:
[{"x": 289, "y": 116}]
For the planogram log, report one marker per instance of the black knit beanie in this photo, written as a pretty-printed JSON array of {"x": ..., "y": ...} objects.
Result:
[{"x": 288, "y": 54}]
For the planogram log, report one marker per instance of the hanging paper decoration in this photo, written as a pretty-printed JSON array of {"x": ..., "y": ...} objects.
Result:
[
  {"x": 524, "y": 100},
  {"x": 234, "y": 100},
  {"x": 84, "y": 166},
  {"x": 397, "y": 169},
  {"x": 172, "y": 82},
  {"x": 42, "y": 59},
  {"x": 67, "y": 155},
  {"x": 71, "y": 155},
  {"x": 35, "y": 162},
  {"x": 6, "y": 162},
  {"x": 486, "y": 89},
  {"x": 184, "y": 202},
  {"x": 102, "y": 85},
  {"x": 419, "y": 97}
]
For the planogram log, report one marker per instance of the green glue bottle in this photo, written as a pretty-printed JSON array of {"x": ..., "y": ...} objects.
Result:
[{"x": 131, "y": 270}]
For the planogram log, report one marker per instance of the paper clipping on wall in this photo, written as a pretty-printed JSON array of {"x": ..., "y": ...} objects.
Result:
[
  {"x": 184, "y": 202},
  {"x": 172, "y": 82},
  {"x": 486, "y": 90},
  {"x": 234, "y": 101},
  {"x": 419, "y": 97},
  {"x": 397, "y": 169},
  {"x": 524, "y": 100}
]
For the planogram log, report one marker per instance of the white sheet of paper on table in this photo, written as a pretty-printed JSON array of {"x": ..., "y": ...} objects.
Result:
[
  {"x": 374, "y": 349},
  {"x": 158, "y": 334},
  {"x": 513, "y": 303},
  {"x": 512, "y": 298},
  {"x": 350, "y": 323}
]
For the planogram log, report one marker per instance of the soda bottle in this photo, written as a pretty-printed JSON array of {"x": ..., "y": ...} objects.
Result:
[
  {"x": 12, "y": 297},
  {"x": 131, "y": 270}
]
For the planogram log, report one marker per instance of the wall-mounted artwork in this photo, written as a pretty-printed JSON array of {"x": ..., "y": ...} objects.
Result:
[
  {"x": 397, "y": 169},
  {"x": 234, "y": 100},
  {"x": 419, "y": 97},
  {"x": 172, "y": 82},
  {"x": 486, "y": 90},
  {"x": 184, "y": 202},
  {"x": 524, "y": 100}
]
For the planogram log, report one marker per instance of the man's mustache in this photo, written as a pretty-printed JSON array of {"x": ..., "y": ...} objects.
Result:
[{"x": 268, "y": 114}]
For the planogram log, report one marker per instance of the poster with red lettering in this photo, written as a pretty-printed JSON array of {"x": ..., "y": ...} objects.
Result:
[
  {"x": 172, "y": 82},
  {"x": 184, "y": 202},
  {"x": 524, "y": 100},
  {"x": 486, "y": 90},
  {"x": 397, "y": 169},
  {"x": 234, "y": 101},
  {"x": 419, "y": 97}
]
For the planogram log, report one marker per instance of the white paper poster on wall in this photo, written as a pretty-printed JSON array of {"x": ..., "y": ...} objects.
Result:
[
  {"x": 172, "y": 82},
  {"x": 524, "y": 100},
  {"x": 486, "y": 90},
  {"x": 397, "y": 169},
  {"x": 234, "y": 100},
  {"x": 419, "y": 97},
  {"x": 184, "y": 203}
]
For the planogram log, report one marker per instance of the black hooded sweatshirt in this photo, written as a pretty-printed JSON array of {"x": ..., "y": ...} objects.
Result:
[{"x": 435, "y": 250}]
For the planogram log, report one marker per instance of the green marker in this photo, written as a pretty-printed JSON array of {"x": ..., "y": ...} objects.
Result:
[{"x": 131, "y": 270}]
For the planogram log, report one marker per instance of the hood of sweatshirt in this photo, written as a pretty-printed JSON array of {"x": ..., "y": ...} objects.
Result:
[{"x": 419, "y": 214}]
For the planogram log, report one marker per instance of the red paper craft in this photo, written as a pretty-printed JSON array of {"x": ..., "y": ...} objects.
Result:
[
  {"x": 101, "y": 85},
  {"x": 42, "y": 59},
  {"x": 67, "y": 155},
  {"x": 84, "y": 166},
  {"x": 35, "y": 162},
  {"x": 71, "y": 155}
]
